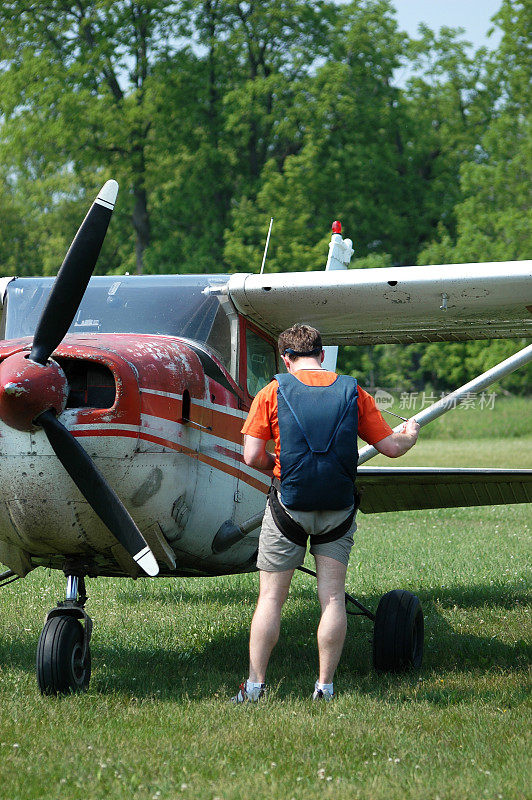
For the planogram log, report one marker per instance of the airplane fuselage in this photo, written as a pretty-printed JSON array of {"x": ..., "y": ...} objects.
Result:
[{"x": 166, "y": 436}]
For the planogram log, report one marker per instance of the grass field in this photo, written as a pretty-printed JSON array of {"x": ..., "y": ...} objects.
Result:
[{"x": 167, "y": 654}]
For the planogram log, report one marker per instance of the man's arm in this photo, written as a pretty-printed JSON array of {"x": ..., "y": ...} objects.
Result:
[
  {"x": 399, "y": 442},
  {"x": 256, "y": 455}
]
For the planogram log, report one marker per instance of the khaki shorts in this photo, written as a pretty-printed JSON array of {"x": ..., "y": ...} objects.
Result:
[{"x": 277, "y": 553}]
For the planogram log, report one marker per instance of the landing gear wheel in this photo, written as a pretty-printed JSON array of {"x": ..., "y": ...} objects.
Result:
[
  {"x": 398, "y": 633},
  {"x": 60, "y": 666}
]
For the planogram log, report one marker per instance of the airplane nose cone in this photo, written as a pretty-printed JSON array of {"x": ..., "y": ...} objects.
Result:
[{"x": 27, "y": 389}]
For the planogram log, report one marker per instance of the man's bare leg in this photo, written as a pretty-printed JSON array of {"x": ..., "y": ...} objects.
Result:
[
  {"x": 333, "y": 622},
  {"x": 274, "y": 587}
]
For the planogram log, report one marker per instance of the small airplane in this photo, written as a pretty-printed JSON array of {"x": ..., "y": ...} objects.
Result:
[{"x": 122, "y": 399}]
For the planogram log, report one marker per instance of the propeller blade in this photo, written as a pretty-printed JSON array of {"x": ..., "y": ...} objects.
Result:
[
  {"x": 74, "y": 275},
  {"x": 97, "y": 492}
]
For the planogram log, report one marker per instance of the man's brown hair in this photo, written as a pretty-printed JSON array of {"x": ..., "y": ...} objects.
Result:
[{"x": 301, "y": 339}]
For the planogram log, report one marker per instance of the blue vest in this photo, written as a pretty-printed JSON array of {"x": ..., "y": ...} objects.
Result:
[{"x": 318, "y": 431}]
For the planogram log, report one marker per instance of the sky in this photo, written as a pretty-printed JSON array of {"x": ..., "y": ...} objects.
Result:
[{"x": 472, "y": 15}]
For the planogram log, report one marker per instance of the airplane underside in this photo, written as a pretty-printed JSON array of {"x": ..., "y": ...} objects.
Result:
[{"x": 39, "y": 526}]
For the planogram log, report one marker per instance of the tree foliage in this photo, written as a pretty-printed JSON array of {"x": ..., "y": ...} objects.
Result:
[
  {"x": 494, "y": 213},
  {"x": 215, "y": 115},
  {"x": 78, "y": 96}
]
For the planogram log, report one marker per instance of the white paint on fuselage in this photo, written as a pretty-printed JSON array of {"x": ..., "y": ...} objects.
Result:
[{"x": 43, "y": 513}]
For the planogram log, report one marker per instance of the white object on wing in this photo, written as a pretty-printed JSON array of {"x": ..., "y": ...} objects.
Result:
[{"x": 340, "y": 252}]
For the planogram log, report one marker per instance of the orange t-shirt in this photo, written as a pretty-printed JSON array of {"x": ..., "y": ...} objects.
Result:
[{"x": 262, "y": 422}]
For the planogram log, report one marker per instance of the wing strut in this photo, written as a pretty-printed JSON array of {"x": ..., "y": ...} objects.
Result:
[{"x": 444, "y": 405}]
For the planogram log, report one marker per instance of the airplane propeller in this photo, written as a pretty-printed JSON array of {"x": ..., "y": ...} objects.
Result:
[
  {"x": 73, "y": 276},
  {"x": 34, "y": 388},
  {"x": 96, "y": 491}
]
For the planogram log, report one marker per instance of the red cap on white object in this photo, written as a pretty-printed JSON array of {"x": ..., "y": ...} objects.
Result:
[{"x": 337, "y": 226}]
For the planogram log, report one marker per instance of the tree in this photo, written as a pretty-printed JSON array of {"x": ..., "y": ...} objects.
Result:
[
  {"x": 270, "y": 46},
  {"x": 385, "y": 160},
  {"x": 345, "y": 117},
  {"x": 18, "y": 254},
  {"x": 259, "y": 55},
  {"x": 448, "y": 105},
  {"x": 494, "y": 216},
  {"x": 77, "y": 91}
]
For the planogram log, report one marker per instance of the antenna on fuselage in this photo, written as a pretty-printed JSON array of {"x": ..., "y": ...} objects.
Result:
[{"x": 266, "y": 246}]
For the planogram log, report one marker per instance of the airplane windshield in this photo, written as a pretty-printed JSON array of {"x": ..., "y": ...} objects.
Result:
[{"x": 171, "y": 305}]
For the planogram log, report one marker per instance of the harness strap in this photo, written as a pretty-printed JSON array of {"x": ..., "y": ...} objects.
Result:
[{"x": 295, "y": 532}]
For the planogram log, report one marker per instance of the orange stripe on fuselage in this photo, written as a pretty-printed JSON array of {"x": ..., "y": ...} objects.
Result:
[
  {"x": 224, "y": 426},
  {"x": 236, "y": 473},
  {"x": 156, "y": 405},
  {"x": 228, "y": 427},
  {"x": 179, "y": 448}
]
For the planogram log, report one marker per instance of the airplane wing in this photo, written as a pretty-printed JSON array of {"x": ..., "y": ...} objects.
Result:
[
  {"x": 409, "y": 488},
  {"x": 453, "y": 302}
]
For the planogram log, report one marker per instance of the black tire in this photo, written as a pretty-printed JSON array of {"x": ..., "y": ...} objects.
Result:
[
  {"x": 59, "y": 666},
  {"x": 398, "y": 633}
]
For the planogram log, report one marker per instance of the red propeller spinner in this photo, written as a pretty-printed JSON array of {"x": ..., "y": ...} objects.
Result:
[{"x": 28, "y": 388}]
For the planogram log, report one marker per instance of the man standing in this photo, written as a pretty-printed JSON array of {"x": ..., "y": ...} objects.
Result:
[{"x": 313, "y": 417}]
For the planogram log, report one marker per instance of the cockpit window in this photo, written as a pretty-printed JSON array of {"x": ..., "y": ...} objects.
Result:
[
  {"x": 261, "y": 362},
  {"x": 172, "y": 305}
]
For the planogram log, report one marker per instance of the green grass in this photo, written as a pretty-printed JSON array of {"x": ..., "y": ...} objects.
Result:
[
  {"x": 167, "y": 653},
  {"x": 489, "y": 453},
  {"x": 510, "y": 417},
  {"x": 473, "y": 437}
]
